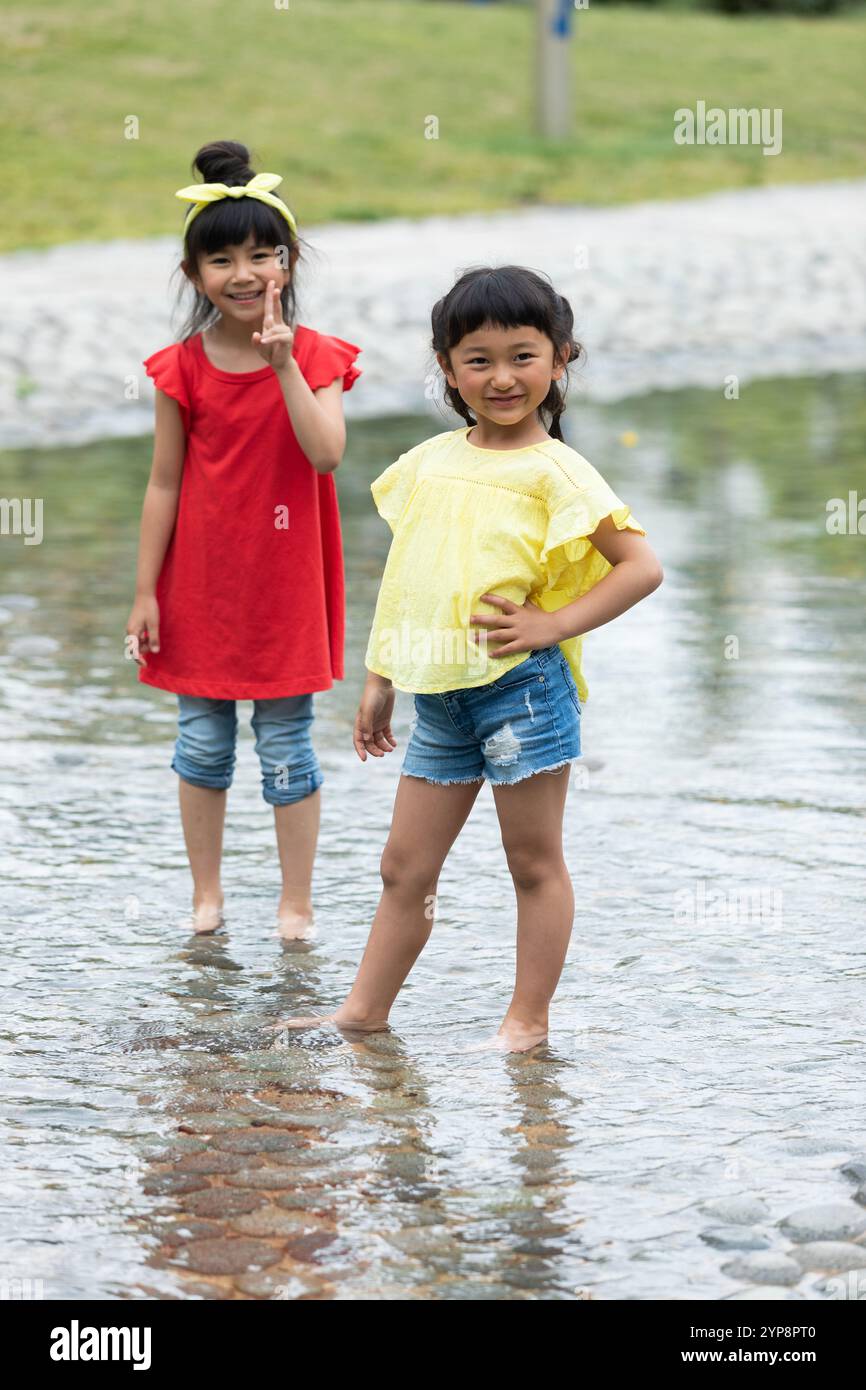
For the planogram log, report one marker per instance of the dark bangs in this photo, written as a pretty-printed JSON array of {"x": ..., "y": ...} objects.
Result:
[
  {"x": 505, "y": 297},
  {"x": 229, "y": 222}
]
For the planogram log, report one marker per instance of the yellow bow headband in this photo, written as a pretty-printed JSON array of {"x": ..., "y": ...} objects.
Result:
[{"x": 203, "y": 194}]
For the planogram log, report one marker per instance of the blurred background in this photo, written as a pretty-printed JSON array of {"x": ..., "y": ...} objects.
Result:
[{"x": 362, "y": 74}]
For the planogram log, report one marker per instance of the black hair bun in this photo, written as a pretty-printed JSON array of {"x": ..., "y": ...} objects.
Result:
[{"x": 224, "y": 161}]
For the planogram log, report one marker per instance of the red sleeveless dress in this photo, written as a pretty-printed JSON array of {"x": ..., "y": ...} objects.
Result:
[{"x": 251, "y": 591}]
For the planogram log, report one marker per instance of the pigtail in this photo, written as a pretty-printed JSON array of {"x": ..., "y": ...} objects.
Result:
[{"x": 458, "y": 405}]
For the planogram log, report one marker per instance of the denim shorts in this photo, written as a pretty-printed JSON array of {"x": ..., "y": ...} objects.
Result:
[
  {"x": 204, "y": 753},
  {"x": 525, "y": 722}
]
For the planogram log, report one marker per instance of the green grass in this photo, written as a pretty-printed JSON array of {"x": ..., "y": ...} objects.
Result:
[{"x": 333, "y": 95}]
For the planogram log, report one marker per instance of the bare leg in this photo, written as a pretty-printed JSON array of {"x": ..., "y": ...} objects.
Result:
[
  {"x": 530, "y": 820},
  {"x": 203, "y": 811},
  {"x": 427, "y": 820},
  {"x": 297, "y": 832}
]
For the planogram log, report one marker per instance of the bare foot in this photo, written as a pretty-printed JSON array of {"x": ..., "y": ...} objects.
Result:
[
  {"x": 512, "y": 1037},
  {"x": 207, "y": 917},
  {"x": 295, "y": 925},
  {"x": 337, "y": 1020}
]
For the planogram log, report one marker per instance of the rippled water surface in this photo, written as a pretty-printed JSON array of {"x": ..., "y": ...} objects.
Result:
[{"x": 707, "y": 1036}]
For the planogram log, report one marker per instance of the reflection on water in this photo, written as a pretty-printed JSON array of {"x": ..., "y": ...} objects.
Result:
[{"x": 707, "y": 1035}]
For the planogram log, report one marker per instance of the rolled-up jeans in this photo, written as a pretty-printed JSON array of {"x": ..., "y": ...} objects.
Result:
[{"x": 204, "y": 752}]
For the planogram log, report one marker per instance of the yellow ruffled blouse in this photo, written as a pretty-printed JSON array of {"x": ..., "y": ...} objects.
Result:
[{"x": 468, "y": 521}]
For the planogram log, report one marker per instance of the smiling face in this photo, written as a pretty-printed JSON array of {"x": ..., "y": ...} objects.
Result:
[
  {"x": 503, "y": 374},
  {"x": 235, "y": 278}
]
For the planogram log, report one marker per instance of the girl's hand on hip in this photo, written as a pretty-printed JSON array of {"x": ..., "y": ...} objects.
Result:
[
  {"x": 372, "y": 732},
  {"x": 519, "y": 628},
  {"x": 274, "y": 343},
  {"x": 142, "y": 630}
]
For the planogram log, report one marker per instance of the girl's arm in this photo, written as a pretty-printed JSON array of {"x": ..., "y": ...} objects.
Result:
[
  {"x": 520, "y": 628},
  {"x": 316, "y": 416},
  {"x": 636, "y": 572},
  {"x": 158, "y": 516}
]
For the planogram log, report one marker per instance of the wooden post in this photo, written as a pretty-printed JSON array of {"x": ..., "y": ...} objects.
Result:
[{"x": 554, "y": 22}]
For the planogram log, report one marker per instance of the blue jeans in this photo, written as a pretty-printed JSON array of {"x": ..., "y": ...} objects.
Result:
[
  {"x": 204, "y": 753},
  {"x": 528, "y": 721}
]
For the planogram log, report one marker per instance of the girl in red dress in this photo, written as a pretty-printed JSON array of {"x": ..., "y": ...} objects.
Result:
[{"x": 240, "y": 590}]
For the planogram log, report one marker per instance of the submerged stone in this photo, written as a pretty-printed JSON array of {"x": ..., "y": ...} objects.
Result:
[
  {"x": 735, "y": 1238},
  {"x": 739, "y": 1211},
  {"x": 165, "y": 1184},
  {"x": 828, "y": 1221},
  {"x": 829, "y": 1256},
  {"x": 222, "y": 1201},
  {"x": 275, "y": 1221},
  {"x": 764, "y": 1267},
  {"x": 230, "y": 1256}
]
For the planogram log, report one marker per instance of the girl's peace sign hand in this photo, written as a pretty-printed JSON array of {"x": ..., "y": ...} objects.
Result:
[{"x": 274, "y": 343}]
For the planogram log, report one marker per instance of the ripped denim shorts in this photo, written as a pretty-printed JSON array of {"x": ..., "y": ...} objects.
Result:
[{"x": 528, "y": 721}]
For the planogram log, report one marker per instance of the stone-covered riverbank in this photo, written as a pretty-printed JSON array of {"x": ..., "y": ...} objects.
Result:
[{"x": 766, "y": 282}]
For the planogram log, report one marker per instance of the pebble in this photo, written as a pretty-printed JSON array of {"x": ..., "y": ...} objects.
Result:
[
  {"x": 278, "y": 1286},
  {"x": 199, "y": 1289},
  {"x": 274, "y": 1221},
  {"x": 537, "y": 1247},
  {"x": 271, "y": 1179},
  {"x": 422, "y": 1242},
  {"x": 764, "y": 1267},
  {"x": 739, "y": 1211},
  {"x": 233, "y": 1256},
  {"x": 311, "y": 1202},
  {"x": 829, "y": 1256},
  {"x": 310, "y": 1248},
  {"x": 222, "y": 1201},
  {"x": 212, "y": 1163},
  {"x": 183, "y": 1231},
  {"x": 736, "y": 1238},
  {"x": 182, "y": 1144},
  {"x": 256, "y": 1141},
  {"x": 164, "y": 1184},
  {"x": 213, "y": 1122},
  {"x": 417, "y": 1192},
  {"x": 829, "y": 1221},
  {"x": 303, "y": 1120},
  {"x": 416, "y": 1216}
]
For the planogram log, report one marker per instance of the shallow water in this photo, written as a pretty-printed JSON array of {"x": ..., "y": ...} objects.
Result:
[{"x": 706, "y": 1039}]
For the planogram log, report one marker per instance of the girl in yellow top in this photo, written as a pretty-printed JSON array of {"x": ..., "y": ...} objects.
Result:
[{"x": 507, "y": 547}]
